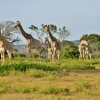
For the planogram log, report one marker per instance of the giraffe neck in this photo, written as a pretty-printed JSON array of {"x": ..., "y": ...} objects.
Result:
[
  {"x": 23, "y": 32},
  {"x": 49, "y": 44},
  {"x": 51, "y": 36}
]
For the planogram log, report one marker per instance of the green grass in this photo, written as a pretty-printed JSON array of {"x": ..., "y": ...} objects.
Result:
[
  {"x": 54, "y": 90},
  {"x": 69, "y": 79},
  {"x": 85, "y": 87},
  {"x": 49, "y": 66}
]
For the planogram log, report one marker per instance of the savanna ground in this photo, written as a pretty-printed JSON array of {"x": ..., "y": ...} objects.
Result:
[{"x": 68, "y": 79}]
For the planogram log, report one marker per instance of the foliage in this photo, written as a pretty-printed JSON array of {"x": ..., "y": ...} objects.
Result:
[
  {"x": 84, "y": 87},
  {"x": 70, "y": 53},
  {"x": 8, "y": 26},
  {"x": 24, "y": 67},
  {"x": 75, "y": 64},
  {"x": 24, "y": 89},
  {"x": 39, "y": 32},
  {"x": 33, "y": 27},
  {"x": 91, "y": 37},
  {"x": 50, "y": 79},
  {"x": 53, "y": 67},
  {"x": 7, "y": 29},
  {"x": 69, "y": 50},
  {"x": 54, "y": 90},
  {"x": 63, "y": 33},
  {"x": 36, "y": 73}
]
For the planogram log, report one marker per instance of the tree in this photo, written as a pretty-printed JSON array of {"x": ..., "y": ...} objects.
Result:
[
  {"x": 7, "y": 29},
  {"x": 38, "y": 31},
  {"x": 69, "y": 50},
  {"x": 63, "y": 33},
  {"x": 91, "y": 37}
]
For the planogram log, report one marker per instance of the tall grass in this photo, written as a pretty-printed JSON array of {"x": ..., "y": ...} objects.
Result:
[
  {"x": 84, "y": 86},
  {"x": 50, "y": 66},
  {"x": 45, "y": 79},
  {"x": 54, "y": 90}
]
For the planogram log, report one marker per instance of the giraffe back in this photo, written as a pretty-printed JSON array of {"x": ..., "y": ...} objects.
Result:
[{"x": 33, "y": 43}]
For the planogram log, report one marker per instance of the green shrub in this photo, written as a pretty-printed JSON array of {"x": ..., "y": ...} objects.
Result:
[
  {"x": 83, "y": 87},
  {"x": 36, "y": 73},
  {"x": 24, "y": 67},
  {"x": 54, "y": 90},
  {"x": 82, "y": 65},
  {"x": 3, "y": 90},
  {"x": 69, "y": 53},
  {"x": 4, "y": 73},
  {"x": 24, "y": 89},
  {"x": 4, "y": 86}
]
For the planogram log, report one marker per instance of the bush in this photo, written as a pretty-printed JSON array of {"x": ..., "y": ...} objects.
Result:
[
  {"x": 54, "y": 90},
  {"x": 24, "y": 89},
  {"x": 70, "y": 53},
  {"x": 2, "y": 90},
  {"x": 23, "y": 67},
  {"x": 36, "y": 73},
  {"x": 82, "y": 65},
  {"x": 83, "y": 87}
]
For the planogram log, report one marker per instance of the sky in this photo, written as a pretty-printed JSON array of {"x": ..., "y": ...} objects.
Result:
[{"x": 79, "y": 16}]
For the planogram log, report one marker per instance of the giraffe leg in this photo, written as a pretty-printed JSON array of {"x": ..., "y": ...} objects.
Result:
[
  {"x": 28, "y": 50},
  {"x": 84, "y": 55},
  {"x": 10, "y": 55},
  {"x": 81, "y": 56},
  {"x": 87, "y": 56},
  {"x": 54, "y": 53},
  {"x": 2, "y": 55},
  {"x": 90, "y": 56},
  {"x": 58, "y": 54},
  {"x": 49, "y": 53},
  {"x": 80, "y": 53}
]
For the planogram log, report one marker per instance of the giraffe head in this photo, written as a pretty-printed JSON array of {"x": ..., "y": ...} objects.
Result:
[
  {"x": 46, "y": 28},
  {"x": 17, "y": 24},
  {"x": 84, "y": 42}
]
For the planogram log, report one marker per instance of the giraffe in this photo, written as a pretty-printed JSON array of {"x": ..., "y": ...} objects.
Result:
[
  {"x": 88, "y": 52},
  {"x": 84, "y": 50},
  {"x": 55, "y": 44},
  {"x": 5, "y": 46},
  {"x": 31, "y": 43},
  {"x": 49, "y": 49}
]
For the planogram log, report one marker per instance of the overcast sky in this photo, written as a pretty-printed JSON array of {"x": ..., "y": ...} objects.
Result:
[{"x": 79, "y": 16}]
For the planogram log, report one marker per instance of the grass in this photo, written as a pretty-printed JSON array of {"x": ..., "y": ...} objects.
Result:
[
  {"x": 54, "y": 90},
  {"x": 68, "y": 79},
  {"x": 85, "y": 87}
]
